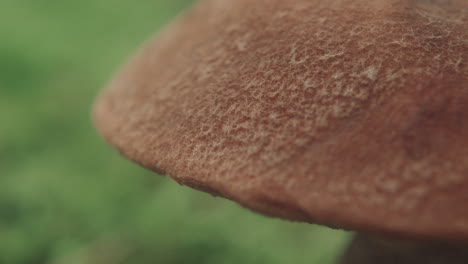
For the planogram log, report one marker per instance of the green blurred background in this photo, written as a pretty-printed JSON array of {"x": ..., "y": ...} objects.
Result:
[{"x": 66, "y": 197}]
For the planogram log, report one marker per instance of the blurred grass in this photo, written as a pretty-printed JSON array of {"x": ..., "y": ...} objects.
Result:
[{"x": 66, "y": 197}]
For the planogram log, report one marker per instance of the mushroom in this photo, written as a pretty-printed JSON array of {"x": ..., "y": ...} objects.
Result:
[{"x": 348, "y": 113}]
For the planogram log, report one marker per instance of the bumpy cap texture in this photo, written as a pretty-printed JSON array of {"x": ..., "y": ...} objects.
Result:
[{"x": 349, "y": 113}]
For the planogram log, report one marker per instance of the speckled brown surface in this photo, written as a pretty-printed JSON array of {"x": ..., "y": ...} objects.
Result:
[{"x": 349, "y": 113}]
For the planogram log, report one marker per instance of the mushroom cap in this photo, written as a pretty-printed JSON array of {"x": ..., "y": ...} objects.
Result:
[{"x": 347, "y": 113}]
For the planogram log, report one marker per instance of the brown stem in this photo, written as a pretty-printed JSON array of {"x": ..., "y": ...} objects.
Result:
[{"x": 365, "y": 249}]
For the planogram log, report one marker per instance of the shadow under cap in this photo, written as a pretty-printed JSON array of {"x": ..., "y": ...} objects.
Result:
[{"x": 352, "y": 114}]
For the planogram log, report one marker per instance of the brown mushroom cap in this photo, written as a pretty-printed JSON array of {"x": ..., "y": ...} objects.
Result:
[{"x": 348, "y": 113}]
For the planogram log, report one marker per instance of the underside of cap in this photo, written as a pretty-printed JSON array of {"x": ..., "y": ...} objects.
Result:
[{"x": 352, "y": 114}]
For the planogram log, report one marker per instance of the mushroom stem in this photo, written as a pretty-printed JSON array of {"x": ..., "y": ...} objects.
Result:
[{"x": 366, "y": 249}]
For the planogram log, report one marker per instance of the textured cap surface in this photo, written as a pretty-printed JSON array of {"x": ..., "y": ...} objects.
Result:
[{"x": 349, "y": 113}]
